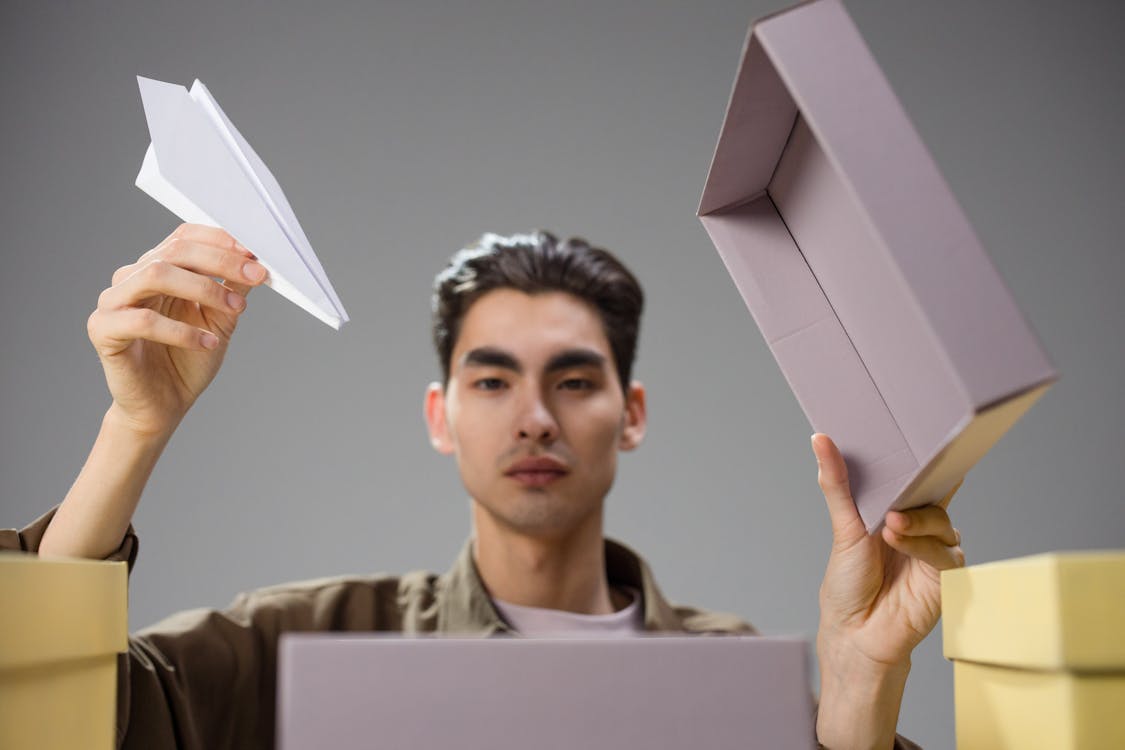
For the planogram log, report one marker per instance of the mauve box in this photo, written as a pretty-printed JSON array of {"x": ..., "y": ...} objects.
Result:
[
  {"x": 890, "y": 323},
  {"x": 653, "y": 692}
]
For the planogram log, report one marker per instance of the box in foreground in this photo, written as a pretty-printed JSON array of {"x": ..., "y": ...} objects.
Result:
[
  {"x": 1038, "y": 645},
  {"x": 62, "y": 625},
  {"x": 1001, "y": 707}
]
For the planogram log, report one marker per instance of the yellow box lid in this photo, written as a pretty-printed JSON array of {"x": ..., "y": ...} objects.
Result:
[
  {"x": 1060, "y": 610},
  {"x": 60, "y": 609}
]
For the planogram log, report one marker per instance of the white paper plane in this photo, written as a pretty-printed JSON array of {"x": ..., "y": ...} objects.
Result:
[{"x": 200, "y": 168}]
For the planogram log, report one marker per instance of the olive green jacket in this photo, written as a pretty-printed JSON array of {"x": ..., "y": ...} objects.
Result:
[{"x": 206, "y": 679}]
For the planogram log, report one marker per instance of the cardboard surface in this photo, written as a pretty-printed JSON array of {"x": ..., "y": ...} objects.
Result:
[
  {"x": 1061, "y": 611},
  {"x": 885, "y": 315},
  {"x": 1010, "y": 709},
  {"x": 654, "y": 692},
  {"x": 62, "y": 624}
]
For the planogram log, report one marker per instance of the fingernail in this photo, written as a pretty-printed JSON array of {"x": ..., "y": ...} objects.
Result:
[
  {"x": 254, "y": 271},
  {"x": 209, "y": 340},
  {"x": 235, "y": 301},
  {"x": 905, "y": 520}
]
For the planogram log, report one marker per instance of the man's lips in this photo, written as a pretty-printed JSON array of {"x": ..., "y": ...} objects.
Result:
[{"x": 536, "y": 471}]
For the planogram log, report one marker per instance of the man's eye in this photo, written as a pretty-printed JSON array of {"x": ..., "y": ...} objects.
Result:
[
  {"x": 489, "y": 384},
  {"x": 576, "y": 384}
]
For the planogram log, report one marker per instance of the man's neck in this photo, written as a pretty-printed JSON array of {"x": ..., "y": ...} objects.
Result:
[{"x": 565, "y": 573}]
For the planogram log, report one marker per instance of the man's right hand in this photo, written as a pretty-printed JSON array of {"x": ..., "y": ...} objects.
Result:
[{"x": 162, "y": 328}]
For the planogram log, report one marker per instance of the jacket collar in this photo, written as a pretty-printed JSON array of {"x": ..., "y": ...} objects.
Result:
[{"x": 465, "y": 608}]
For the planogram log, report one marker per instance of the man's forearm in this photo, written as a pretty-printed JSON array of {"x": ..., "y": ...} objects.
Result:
[
  {"x": 92, "y": 520},
  {"x": 859, "y": 700}
]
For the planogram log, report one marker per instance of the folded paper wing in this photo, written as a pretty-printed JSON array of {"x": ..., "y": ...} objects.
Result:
[
  {"x": 888, "y": 320},
  {"x": 201, "y": 168}
]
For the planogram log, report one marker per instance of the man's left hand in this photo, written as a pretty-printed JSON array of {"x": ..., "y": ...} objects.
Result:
[{"x": 880, "y": 597}]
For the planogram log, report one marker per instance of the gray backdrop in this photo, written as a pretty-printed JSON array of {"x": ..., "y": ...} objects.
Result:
[{"x": 402, "y": 131}]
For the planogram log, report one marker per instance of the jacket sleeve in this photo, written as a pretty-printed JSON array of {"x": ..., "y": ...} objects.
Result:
[
  {"x": 193, "y": 681},
  {"x": 201, "y": 679},
  {"x": 27, "y": 540},
  {"x": 207, "y": 679}
]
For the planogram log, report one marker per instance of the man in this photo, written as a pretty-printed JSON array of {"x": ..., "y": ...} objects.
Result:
[{"x": 536, "y": 342}]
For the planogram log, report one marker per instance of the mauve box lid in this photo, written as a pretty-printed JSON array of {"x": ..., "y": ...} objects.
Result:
[{"x": 890, "y": 323}]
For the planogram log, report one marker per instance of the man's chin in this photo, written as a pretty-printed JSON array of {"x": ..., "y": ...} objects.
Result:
[{"x": 537, "y": 513}]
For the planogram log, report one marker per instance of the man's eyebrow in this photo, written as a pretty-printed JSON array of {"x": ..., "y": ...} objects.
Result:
[
  {"x": 575, "y": 358},
  {"x": 487, "y": 356}
]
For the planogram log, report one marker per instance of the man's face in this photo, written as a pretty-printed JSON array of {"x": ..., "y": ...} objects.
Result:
[{"x": 534, "y": 411}]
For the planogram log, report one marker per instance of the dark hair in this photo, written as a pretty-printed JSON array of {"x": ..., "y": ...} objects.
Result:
[{"x": 534, "y": 263}]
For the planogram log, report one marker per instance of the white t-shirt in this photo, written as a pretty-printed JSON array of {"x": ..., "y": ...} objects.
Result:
[{"x": 536, "y": 621}]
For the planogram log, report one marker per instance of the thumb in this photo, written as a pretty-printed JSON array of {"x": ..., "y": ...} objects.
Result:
[
  {"x": 223, "y": 321},
  {"x": 847, "y": 525},
  {"x": 238, "y": 286}
]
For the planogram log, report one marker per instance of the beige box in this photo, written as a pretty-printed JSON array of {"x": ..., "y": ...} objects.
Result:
[
  {"x": 62, "y": 624},
  {"x": 1038, "y": 645},
  {"x": 1001, "y": 707}
]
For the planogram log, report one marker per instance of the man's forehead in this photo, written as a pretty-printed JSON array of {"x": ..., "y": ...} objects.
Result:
[{"x": 530, "y": 327}]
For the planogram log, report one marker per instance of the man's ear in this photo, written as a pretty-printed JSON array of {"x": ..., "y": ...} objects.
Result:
[
  {"x": 636, "y": 417},
  {"x": 435, "y": 419}
]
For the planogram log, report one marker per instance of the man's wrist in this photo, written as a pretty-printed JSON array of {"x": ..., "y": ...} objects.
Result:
[
  {"x": 117, "y": 425},
  {"x": 94, "y": 515},
  {"x": 859, "y": 697}
]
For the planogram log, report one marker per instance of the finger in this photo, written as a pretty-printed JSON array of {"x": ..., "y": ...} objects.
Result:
[
  {"x": 223, "y": 263},
  {"x": 240, "y": 289},
  {"x": 160, "y": 277},
  {"x": 203, "y": 259},
  {"x": 928, "y": 521},
  {"x": 192, "y": 234},
  {"x": 215, "y": 236},
  {"x": 200, "y": 233},
  {"x": 944, "y": 502},
  {"x": 236, "y": 269},
  {"x": 847, "y": 526},
  {"x": 204, "y": 233},
  {"x": 113, "y": 330},
  {"x": 928, "y": 549}
]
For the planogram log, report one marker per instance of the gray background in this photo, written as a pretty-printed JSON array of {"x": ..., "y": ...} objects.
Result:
[{"x": 401, "y": 132}]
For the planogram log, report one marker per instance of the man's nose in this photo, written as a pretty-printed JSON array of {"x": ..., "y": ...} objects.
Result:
[{"x": 536, "y": 421}]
